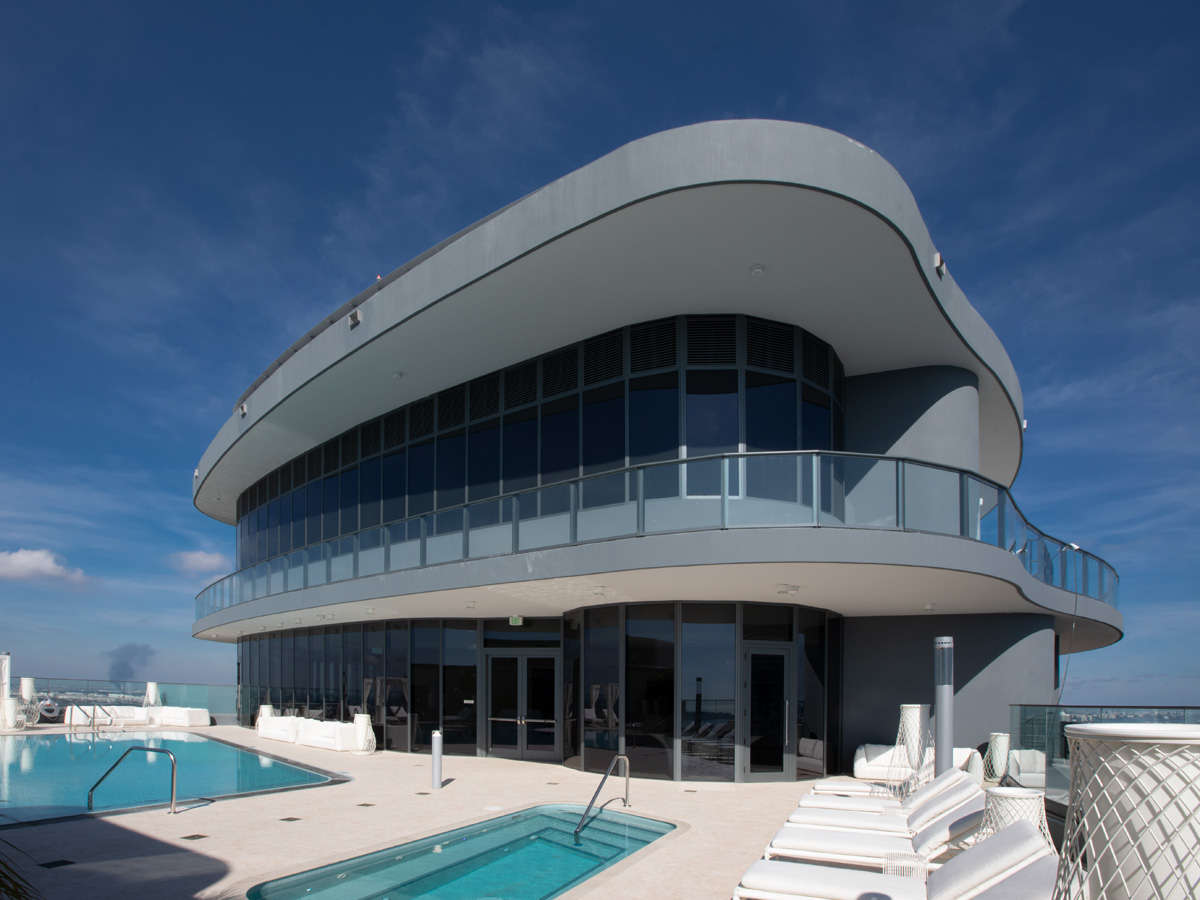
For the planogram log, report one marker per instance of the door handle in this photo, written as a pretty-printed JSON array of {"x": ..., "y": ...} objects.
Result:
[{"x": 787, "y": 723}]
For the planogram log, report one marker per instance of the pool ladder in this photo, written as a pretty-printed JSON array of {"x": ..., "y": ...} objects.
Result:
[
  {"x": 599, "y": 788},
  {"x": 174, "y": 770}
]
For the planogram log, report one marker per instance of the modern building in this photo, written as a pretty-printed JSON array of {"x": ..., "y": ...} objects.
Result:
[{"x": 688, "y": 455}]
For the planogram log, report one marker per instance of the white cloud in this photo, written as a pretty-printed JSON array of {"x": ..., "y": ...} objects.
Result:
[
  {"x": 201, "y": 562},
  {"x": 24, "y": 565}
]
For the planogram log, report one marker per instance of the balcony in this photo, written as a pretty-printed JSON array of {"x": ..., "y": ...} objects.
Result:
[{"x": 746, "y": 490}]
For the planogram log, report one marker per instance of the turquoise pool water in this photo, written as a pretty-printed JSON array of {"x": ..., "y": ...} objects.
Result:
[
  {"x": 44, "y": 776},
  {"x": 530, "y": 855}
]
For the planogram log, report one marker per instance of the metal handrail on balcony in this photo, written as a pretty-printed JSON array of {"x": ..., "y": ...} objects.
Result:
[{"x": 742, "y": 490}]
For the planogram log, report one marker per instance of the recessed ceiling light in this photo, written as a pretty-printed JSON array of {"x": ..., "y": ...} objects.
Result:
[{"x": 757, "y": 269}]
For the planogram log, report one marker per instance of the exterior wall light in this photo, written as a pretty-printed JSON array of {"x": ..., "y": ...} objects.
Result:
[
  {"x": 939, "y": 265},
  {"x": 242, "y": 410},
  {"x": 355, "y": 318}
]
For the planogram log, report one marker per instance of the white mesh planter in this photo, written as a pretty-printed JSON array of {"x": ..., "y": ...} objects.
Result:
[
  {"x": 995, "y": 764},
  {"x": 1004, "y": 806},
  {"x": 1133, "y": 819},
  {"x": 912, "y": 760}
]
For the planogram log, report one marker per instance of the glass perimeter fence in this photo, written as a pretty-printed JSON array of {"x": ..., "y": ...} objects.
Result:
[
  {"x": 1039, "y": 756},
  {"x": 748, "y": 490},
  {"x": 219, "y": 699}
]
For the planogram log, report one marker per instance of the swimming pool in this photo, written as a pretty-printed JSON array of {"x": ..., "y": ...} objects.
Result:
[
  {"x": 46, "y": 776},
  {"x": 530, "y": 855}
]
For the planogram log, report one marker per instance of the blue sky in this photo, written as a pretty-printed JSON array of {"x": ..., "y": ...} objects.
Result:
[{"x": 186, "y": 188}]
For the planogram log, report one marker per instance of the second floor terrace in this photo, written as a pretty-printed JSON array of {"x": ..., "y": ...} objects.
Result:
[{"x": 794, "y": 491}]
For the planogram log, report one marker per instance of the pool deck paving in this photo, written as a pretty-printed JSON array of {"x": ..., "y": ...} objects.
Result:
[{"x": 721, "y": 827}]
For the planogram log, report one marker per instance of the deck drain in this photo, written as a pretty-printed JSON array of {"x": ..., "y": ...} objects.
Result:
[
  {"x": 194, "y": 837},
  {"x": 366, "y": 804},
  {"x": 57, "y": 863},
  {"x": 551, "y": 782},
  {"x": 689, "y": 790},
  {"x": 422, "y": 793},
  {"x": 290, "y": 819}
]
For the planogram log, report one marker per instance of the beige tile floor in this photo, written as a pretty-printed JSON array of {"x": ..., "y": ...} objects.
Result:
[{"x": 721, "y": 829}]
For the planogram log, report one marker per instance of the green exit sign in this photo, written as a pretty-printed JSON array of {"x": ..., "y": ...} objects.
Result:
[{"x": 515, "y": 620}]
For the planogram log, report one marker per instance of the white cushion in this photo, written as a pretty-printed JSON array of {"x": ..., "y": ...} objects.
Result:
[
  {"x": 829, "y": 882},
  {"x": 987, "y": 862}
]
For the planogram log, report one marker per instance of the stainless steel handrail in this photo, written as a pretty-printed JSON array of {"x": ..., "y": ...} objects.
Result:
[
  {"x": 174, "y": 771},
  {"x": 600, "y": 787}
]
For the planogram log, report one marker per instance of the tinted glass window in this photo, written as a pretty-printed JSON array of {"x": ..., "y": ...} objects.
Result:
[
  {"x": 654, "y": 430},
  {"x": 712, "y": 427},
  {"x": 394, "y": 486},
  {"x": 650, "y": 688},
  {"x": 451, "y": 469},
  {"x": 299, "y": 513},
  {"x": 572, "y": 689},
  {"x": 314, "y": 512},
  {"x": 420, "y": 478},
  {"x": 707, "y": 707},
  {"x": 458, "y": 687},
  {"x": 331, "y": 497},
  {"x": 373, "y": 672},
  {"x": 604, "y": 429},
  {"x": 349, "y": 491},
  {"x": 483, "y": 460},
  {"x": 285, "y": 523},
  {"x": 815, "y": 424},
  {"x": 396, "y": 664},
  {"x": 352, "y": 670},
  {"x": 370, "y": 490},
  {"x": 301, "y": 673},
  {"x": 560, "y": 440},
  {"x": 602, "y": 683},
  {"x": 273, "y": 528},
  {"x": 334, "y": 678},
  {"x": 530, "y": 633},
  {"x": 766, "y": 623},
  {"x": 520, "y": 451},
  {"x": 425, "y": 696}
]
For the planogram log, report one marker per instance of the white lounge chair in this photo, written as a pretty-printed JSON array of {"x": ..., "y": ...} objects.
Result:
[
  {"x": 869, "y": 848},
  {"x": 902, "y": 820},
  {"x": 1013, "y": 864},
  {"x": 880, "y": 805},
  {"x": 872, "y": 765}
]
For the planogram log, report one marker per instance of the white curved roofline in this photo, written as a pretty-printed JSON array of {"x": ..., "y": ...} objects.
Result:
[{"x": 644, "y": 225}]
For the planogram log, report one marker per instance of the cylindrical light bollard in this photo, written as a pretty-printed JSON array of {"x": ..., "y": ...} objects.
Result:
[
  {"x": 943, "y": 697},
  {"x": 437, "y": 760}
]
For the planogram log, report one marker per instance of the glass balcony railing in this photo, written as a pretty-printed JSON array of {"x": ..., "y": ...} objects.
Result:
[
  {"x": 218, "y": 699},
  {"x": 747, "y": 490},
  {"x": 1039, "y": 757}
]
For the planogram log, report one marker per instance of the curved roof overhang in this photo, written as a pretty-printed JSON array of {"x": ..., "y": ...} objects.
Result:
[{"x": 670, "y": 224}]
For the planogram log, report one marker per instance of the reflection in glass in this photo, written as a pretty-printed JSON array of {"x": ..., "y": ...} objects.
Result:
[
  {"x": 770, "y": 426},
  {"x": 650, "y": 689},
  {"x": 451, "y": 469},
  {"x": 458, "y": 687},
  {"x": 334, "y": 675},
  {"x": 503, "y": 703},
  {"x": 602, "y": 685},
  {"x": 708, "y": 704},
  {"x": 654, "y": 430},
  {"x": 711, "y": 414},
  {"x": 571, "y": 689},
  {"x": 426, "y": 696},
  {"x": 767, "y": 732},
  {"x": 396, "y": 714}
]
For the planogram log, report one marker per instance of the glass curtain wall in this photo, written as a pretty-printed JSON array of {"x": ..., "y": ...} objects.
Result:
[
  {"x": 398, "y": 702},
  {"x": 650, "y": 689},
  {"x": 708, "y": 682},
  {"x": 459, "y": 676},
  {"x": 602, "y": 687},
  {"x": 681, "y": 387}
]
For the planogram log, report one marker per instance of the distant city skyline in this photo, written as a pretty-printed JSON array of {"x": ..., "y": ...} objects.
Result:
[{"x": 188, "y": 191}]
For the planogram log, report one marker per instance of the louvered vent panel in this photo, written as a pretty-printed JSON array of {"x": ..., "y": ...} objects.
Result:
[
  {"x": 485, "y": 396},
  {"x": 604, "y": 358},
  {"x": 314, "y": 464},
  {"x": 770, "y": 346},
  {"x": 272, "y": 486},
  {"x": 285, "y": 479},
  {"x": 839, "y": 381},
  {"x": 350, "y": 447},
  {"x": 711, "y": 340},
  {"x": 371, "y": 433},
  {"x": 652, "y": 346},
  {"x": 560, "y": 372},
  {"x": 814, "y": 355},
  {"x": 332, "y": 463},
  {"x": 452, "y": 407},
  {"x": 520, "y": 385},
  {"x": 393, "y": 429},
  {"x": 420, "y": 419}
]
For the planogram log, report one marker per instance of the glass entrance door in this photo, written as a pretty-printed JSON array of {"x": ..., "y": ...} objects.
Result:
[
  {"x": 522, "y": 706},
  {"x": 766, "y": 705}
]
